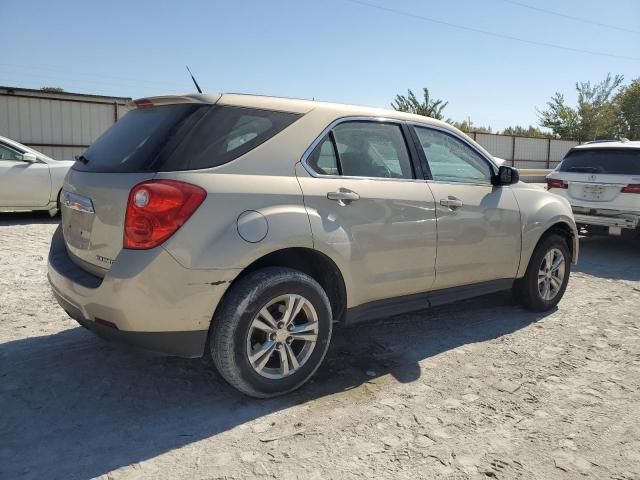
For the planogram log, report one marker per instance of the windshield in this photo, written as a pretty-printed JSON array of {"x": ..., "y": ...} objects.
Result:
[{"x": 620, "y": 161}]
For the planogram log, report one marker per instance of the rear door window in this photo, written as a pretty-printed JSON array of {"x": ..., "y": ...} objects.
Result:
[
  {"x": 363, "y": 149},
  {"x": 324, "y": 159},
  {"x": 372, "y": 149},
  {"x": 621, "y": 161},
  {"x": 181, "y": 137}
]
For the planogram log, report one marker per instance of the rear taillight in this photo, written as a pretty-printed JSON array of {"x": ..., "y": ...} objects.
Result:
[
  {"x": 632, "y": 188},
  {"x": 157, "y": 209},
  {"x": 555, "y": 183}
]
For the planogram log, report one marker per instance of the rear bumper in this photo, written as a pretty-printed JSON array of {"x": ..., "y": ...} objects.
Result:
[
  {"x": 180, "y": 344},
  {"x": 630, "y": 222},
  {"x": 152, "y": 301}
]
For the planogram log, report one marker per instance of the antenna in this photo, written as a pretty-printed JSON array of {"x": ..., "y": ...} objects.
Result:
[{"x": 194, "y": 80}]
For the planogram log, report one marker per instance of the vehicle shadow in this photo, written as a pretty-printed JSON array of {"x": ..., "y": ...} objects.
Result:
[
  {"x": 27, "y": 218},
  {"x": 74, "y": 406},
  {"x": 609, "y": 257}
]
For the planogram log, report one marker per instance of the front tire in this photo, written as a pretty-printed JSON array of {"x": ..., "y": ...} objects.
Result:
[
  {"x": 547, "y": 275},
  {"x": 271, "y": 332}
]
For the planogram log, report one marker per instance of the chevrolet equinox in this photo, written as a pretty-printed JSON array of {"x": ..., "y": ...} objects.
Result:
[{"x": 240, "y": 227}]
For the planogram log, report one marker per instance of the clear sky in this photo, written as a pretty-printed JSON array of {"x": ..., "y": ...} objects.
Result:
[{"x": 334, "y": 50}]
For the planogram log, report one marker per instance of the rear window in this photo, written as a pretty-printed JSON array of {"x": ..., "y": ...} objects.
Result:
[
  {"x": 181, "y": 137},
  {"x": 622, "y": 161}
]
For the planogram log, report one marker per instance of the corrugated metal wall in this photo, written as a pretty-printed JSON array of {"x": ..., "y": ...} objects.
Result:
[
  {"x": 525, "y": 152},
  {"x": 498, "y": 145},
  {"x": 58, "y": 125},
  {"x": 559, "y": 149}
]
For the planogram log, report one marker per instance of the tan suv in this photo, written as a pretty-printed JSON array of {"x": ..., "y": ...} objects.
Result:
[{"x": 241, "y": 227}]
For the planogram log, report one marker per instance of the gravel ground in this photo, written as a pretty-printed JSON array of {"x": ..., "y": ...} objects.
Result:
[{"x": 473, "y": 390}]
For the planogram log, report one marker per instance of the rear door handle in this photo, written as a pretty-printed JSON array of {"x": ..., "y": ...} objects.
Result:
[
  {"x": 451, "y": 202},
  {"x": 343, "y": 196}
]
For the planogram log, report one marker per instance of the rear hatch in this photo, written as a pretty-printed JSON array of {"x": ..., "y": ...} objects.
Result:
[
  {"x": 96, "y": 190},
  {"x": 596, "y": 177},
  {"x": 163, "y": 134}
]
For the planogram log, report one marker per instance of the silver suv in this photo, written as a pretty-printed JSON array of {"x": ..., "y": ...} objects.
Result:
[{"x": 241, "y": 227}]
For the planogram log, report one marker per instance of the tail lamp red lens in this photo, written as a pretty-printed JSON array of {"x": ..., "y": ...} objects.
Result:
[
  {"x": 157, "y": 209},
  {"x": 632, "y": 188},
  {"x": 555, "y": 183}
]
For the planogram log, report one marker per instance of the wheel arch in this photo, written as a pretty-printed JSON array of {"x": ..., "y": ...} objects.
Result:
[
  {"x": 560, "y": 225},
  {"x": 569, "y": 234},
  {"x": 312, "y": 262}
]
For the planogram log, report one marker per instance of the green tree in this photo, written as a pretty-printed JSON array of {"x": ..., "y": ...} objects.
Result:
[
  {"x": 468, "y": 126},
  {"x": 429, "y": 107},
  {"x": 52, "y": 89},
  {"x": 562, "y": 119},
  {"x": 531, "y": 131},
  {"x": 628, "y": 103},
  {"x": 595, "y": 115}
]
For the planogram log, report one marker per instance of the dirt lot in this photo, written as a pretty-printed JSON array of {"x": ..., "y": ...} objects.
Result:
[{"x": 478, "y": 389}]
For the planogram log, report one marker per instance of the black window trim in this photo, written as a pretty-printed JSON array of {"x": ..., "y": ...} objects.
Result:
[
  {"x": 412, "y": 151},
  {"x": 336, "y": 152},
  {"x": 423, "y": 157}
]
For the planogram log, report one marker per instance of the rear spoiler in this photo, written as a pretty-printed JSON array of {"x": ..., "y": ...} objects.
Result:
[{"x": 148, "y": 102}]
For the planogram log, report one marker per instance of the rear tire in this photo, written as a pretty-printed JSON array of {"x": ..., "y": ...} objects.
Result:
[
  {"x": 271, "y": 332},
  {"x": 547, "y": 275}
]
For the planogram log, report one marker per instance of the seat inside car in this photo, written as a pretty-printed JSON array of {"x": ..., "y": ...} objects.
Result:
[{"x": 361, "y": 164}]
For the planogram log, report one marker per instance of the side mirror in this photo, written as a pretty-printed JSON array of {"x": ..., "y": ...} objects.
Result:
[
  {"x": 506, "y": 176},
  {"x": 29, "y": 157}
]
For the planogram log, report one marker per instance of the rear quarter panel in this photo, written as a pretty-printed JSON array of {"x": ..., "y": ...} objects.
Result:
[
  {"x": 210, "y": 239},
  {"x": 264, "y": 181}
]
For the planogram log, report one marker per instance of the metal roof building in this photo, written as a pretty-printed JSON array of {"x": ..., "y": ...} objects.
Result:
[{"x": 59, "y": 124}]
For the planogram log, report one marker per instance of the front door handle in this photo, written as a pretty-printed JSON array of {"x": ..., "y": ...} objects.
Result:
[
  {"x": 451, "y": 202},
  {"x": 343, "y": 196}
]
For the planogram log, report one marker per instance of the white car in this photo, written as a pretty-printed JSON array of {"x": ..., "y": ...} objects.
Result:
[
  {"x": 29, "y": 180},
  {"x": 601, "y": 180}
]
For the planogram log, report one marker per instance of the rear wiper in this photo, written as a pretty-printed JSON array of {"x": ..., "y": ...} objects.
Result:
[
  {"x": 82, "y": 159},
  {"x": 583, "y": 169}
]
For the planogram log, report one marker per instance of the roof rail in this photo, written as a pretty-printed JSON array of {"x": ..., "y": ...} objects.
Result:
[{"x": 621, "y": 139}]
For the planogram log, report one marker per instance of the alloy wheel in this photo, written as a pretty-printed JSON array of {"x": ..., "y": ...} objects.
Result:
[
  {"x": 551, "y": 274},
  {"x": 282, "y": 336}
]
